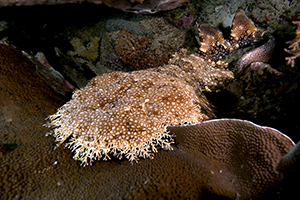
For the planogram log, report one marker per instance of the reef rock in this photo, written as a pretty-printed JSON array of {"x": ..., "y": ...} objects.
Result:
[{"x": 136, "y": 6}]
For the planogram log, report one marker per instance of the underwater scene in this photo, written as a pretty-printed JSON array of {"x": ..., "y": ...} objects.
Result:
[{"x": 149, "y": 99}]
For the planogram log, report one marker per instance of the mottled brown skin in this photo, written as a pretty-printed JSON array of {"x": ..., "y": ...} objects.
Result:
[
  {"x": 259, "y": 54},
  {"x": 213, "y": 46},
  {"x": 243, "y": 32}
]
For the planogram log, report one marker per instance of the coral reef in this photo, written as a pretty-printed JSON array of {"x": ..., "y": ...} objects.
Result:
[
  {"x": 122, "y": 45},
  {"x": 54, "y": 79},
  {"x": 269, "y": 15},
  {"x": 87, "y": 49},
  {"x": 153, "y": 49},
  {"x": 86, "y": 42},
  {"x": 126, "y": 114},
  {"x": 24, "y": 101},
  {"x": 24, "y": 83},
  {"x": 255, "y": 90},
  {"x": 268, "y": 96},
  {"x": 294, "y": 47},
  {"x": 120, "y": 24},
  {"x": 186, "y": 21},
  {"x": 31, "y": 169},
  {"x": 34, "y": 170},
  {"x": 183, "y": 17}
]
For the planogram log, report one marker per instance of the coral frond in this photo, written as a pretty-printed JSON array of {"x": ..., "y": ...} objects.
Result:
[{"x": 294, "y": 47}]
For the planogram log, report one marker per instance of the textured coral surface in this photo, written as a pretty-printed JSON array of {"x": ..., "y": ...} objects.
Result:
[
  {"x": 142, "y": 52},
  {"x": 25, "y": 99},
  {"x": 229, "y": 141}
]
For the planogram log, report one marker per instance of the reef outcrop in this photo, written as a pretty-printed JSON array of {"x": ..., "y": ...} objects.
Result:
[{"x": 136, "y": 6}]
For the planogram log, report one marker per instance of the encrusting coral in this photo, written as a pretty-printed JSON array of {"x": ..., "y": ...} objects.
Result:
[
  {"x": 127, "y": 114},
  {"x": 230, "y": 141},
  {"x": 142, "y": 52},
  {"x": 14, "y": 80},
  {"x": 89, "y": 50},
  {"x": 294, "y": 47}
]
